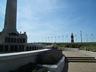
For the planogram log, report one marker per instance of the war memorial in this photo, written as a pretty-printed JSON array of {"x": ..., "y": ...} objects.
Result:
[
  {"x": 16, "y": 52},
  {"x": 10, "y": 39}
]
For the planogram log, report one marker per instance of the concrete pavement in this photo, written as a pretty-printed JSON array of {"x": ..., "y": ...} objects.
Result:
[{"x": 78, "y": 66}]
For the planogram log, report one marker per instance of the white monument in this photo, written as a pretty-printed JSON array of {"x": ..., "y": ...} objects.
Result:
[{"x": 10, "y": 39}]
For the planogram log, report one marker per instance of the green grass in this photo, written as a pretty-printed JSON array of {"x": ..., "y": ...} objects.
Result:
[
  {"x": 83, "y": 43},
  {"x": 73, "y": 45},
  {"x": 88, "y": 48}
]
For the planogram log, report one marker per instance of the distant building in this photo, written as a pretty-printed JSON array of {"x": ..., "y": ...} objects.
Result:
[{"x": 72, "y": 38}]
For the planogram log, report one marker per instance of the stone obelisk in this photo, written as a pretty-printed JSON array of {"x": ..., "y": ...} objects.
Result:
[{"x": 10, "y": 17}]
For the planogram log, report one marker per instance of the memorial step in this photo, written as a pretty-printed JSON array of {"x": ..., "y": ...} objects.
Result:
[{"x": 80, "y": 59}]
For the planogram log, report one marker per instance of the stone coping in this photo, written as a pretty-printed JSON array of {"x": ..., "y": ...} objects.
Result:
[
  {"x": 55, "y": 65},
  {"x": 19, "y": 54}
]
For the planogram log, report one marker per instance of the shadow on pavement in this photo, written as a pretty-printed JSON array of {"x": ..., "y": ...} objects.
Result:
[{"x": 65, "y": 67}]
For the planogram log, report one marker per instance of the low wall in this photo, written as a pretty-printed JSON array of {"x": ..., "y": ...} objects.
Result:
[
  {"x": 70, "y": 49},
  {"x": 93, "y": 54},
  {"x": 57, "y": 67},
  {"x": 12, "y": 61}
]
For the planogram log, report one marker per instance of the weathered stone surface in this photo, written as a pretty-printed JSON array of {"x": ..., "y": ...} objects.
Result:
[
  {"x": 10, "y": 17},
  {"x": 13, "y": 61}
]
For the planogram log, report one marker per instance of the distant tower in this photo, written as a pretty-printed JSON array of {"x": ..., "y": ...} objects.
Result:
[{"x": 72, "y": 38}]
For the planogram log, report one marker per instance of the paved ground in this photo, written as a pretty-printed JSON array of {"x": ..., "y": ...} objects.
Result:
[
  {"x": 74, "y": 54},
  {"x": 82, "y": 67},
  {"x": 78, "y": 67}
]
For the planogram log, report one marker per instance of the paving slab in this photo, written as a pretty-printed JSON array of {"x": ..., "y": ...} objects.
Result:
[
  {"x": 74, "y": 54},
  {"x": 77, "y": 66},
  {"x": 81, "y": 67}
]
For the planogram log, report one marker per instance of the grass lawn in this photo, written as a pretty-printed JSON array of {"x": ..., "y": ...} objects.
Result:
[
  {"x": 62, "y": 43},
  {"x": 88, "y": 48}
]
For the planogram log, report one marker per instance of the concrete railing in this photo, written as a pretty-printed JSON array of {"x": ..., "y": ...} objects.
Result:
[
  {"x": 12, "y": 61},
  {"x": 56, "y": 67}
]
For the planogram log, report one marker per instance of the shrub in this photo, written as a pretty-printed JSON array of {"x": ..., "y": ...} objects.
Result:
[
  {"x": 73, "y": 45},
  {"x": 41, "y": 70},
  {"x": 54, "y": 47},
  {"x": 30, "y": 67},
  {"x": 61, "y": 49},
  {"x": 49, "y": 57}
]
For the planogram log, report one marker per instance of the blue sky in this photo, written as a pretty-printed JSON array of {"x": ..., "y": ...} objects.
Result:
[{"x": 54, "y": 20}]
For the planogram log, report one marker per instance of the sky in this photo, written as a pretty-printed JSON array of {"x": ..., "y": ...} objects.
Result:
[{"x": 54, "y": 20}]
